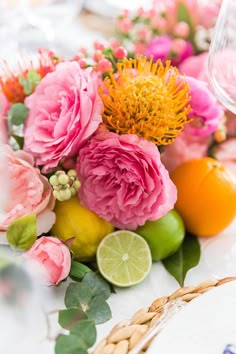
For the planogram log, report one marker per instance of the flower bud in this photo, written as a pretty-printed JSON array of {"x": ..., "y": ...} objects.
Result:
[
  {"x": 120, "y": 53},
  {"x": 53, "y": 180}
]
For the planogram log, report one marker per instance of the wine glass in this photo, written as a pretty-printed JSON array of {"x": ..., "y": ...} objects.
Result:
[{"x": 222, "y": 56}]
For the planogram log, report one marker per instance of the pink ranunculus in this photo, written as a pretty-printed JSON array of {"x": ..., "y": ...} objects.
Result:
[
  {"x": 50, "y": 258},
  {"x": 226, "y": 153},
  {"x": 185, "y": 147},
  {"x": 24, "y": 191},
  {"x": 206, "y": 114},
  {"x": 65, "y": 110},
  {"x": 165, "y": 47},
  {"x": 4, "y": 107},
  {"x": 123, "y": 180}
]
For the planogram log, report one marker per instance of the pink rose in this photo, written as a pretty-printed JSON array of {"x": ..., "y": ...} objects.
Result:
[
  {"x": 51, "y": 259},
  {"x": 185, "y": 147},
  {"x": 24, "y": 191},
  {"x": 4, "y": 107},
  {"x": 206, "y": 114},
  {"x": 123, "y": 180},
  {"x": 226, "y": 153},
  {"x": 65, "y": 110}
]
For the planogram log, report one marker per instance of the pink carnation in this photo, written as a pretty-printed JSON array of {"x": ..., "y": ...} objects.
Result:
[
  {"x": 185, "y": 147},
  {"x": 123, "y": 180},
  {"x": 226, "y": 153},
  {"x": 65, "y": 110},
  {"x": 206, "y": 114},
  {"x": 4, "y": 107},
  {"x": 24, "y": 191},
  {"x": 50, "y": 258}
]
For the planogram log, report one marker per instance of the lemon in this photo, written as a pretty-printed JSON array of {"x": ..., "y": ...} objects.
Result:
[
  {"x": 75, "y": 221},
  {"x": 124, "y": 258}
]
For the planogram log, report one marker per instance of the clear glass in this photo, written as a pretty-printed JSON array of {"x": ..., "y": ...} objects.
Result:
[
  {"x": 222, "y": 56},
  {"x": 26, "y": 25}
]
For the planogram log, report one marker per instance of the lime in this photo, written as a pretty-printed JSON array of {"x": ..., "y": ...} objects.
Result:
[
  {"x": 164, "y": 236},
  {"x": 75, "y": 221},
  {"x": 124, "y": 258}
]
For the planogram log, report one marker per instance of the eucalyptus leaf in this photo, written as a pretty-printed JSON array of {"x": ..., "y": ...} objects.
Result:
[
  {"x": 86, "y": 329},
  {"x": 99, "y": 310},
  {"x": 69, "y": 317},
  {"x": 70, "y": 344},
  {"x": 29, "y": 83},
  {"x": 184, "y": 259},
  {"x": 18, "y": 113},
  {"x": 97, "y": 284},
  {"x": 22, "y": 232},
  {"x": 78, "y": 270},
  {"x": 78, "y": 295},
  {"x": 19, "y": 140}
]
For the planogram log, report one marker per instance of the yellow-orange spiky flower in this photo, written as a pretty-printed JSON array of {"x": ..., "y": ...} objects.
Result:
[
  {"x": 9, "y": 79},
  {"x": 147, "y": 99}
]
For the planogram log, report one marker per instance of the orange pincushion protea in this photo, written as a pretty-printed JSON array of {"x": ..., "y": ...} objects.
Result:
[
  {"x": 9, "y": 79},
  {"x": 147, "y": 99}
]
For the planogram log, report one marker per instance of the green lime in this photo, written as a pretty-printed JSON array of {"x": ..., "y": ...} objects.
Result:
[
  {"x": 164, "y": 236},
  {"x": 124, "y": 258}
]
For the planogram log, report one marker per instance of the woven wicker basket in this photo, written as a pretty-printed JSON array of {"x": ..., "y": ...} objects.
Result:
[{"x": 126, "y": 335}]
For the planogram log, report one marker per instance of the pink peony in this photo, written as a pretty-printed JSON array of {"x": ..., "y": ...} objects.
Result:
[
  {"x": 185, "y": 147},
  {"x": 226, "y": 153},
  {"x": 65, "y": 110},
  {"x": 165, "y": 47},
  {"x": 50, "y": 258},
  {"x": 4, "y": 107},
  {"x": 206, "y": 114},
  {"x": 24, "y": 191},
  {"x": 123, "y": 180}
]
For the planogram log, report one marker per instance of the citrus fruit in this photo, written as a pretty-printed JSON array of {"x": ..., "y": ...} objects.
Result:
[
  {"x": 164, "y": 236},
  {"x": 206, "y": 195},
  {"x": 124, "y": 258},
  {"x": 88, "y": 229}
]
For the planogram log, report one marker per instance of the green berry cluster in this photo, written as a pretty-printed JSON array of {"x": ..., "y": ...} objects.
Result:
[{"x": 65, "y": 185}]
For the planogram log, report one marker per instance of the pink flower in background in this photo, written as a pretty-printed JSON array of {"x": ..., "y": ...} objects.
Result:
[
  {"x": 185, "y": 147},
  {"x": 196, "y": 66},
  {"x": 226, "y": 153},
  {"x": 123, "y": 180},
  {"x": 208, "y": 12},
  {"x": 206, "y": 114},
  {"x": 164, "y": 47},
  {"x": 65, "y": 110},
  {"x": 50, "y": 258},
  {"x": 4, "y": 107},
  {"x": 25, "y": 191}
]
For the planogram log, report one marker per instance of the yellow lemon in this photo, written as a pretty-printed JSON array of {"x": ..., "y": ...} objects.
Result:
[{"x": 75, "y": 221}]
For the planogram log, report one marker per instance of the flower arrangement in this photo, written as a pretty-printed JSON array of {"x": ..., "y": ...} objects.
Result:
[{"x": 89, "y": 145}]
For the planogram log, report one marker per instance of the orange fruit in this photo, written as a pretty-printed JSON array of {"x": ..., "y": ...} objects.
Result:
[{"x": 206, "y": 196}]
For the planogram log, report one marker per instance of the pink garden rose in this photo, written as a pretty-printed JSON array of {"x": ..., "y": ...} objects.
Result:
[
  {"x": 206, "y": 114},
  {"x": 123, "y": 180},
  {"x": 51, "y": 259},
  {"x": 185, "y": 147},
  {"x": 65, "y": 110},
  {"x": 165, "y": 47},
  {"x": 4, "y": 107},
  {"x": 226, "y": 153},
  {"x": 24, "y": 191}
]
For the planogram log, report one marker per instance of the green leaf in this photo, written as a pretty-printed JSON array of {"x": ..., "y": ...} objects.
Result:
[
  {"x": 86, "y": 329},
  {"x": 99, "y": 310},
  {"x": 78, "y": 295},
  {"x": 18, "y": 113},
  {"x": 70, "y": 344},
  {"x": 69, "y": 317},
  {"x": 22, "y": 233},
  {"x": 97, "y": 284},
  {"x": 78, "y": 270},
  {"x": 19, "y": 140},
  {"x": 29, "y": 84},
  {"x": 184, "y": 259},
  {"x": 183, "y": 15}
]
